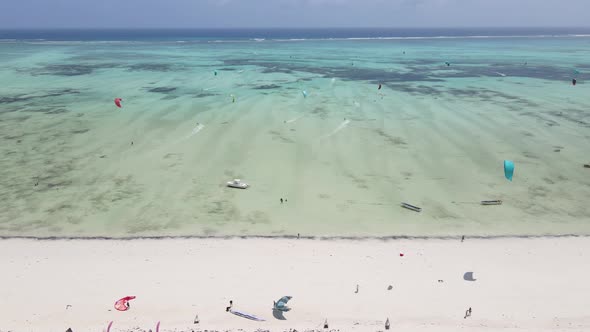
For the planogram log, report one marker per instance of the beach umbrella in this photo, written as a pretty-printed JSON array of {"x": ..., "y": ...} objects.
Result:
[
  {"x": 281, "y": 304},
  {"x": 508, "y": 169}
]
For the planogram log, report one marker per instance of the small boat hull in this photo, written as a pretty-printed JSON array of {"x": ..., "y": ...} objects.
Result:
[
  {"x": 495, "y": 202},
  {"x": 411, "y": 207},
  {"x": 237, "y": 185}
]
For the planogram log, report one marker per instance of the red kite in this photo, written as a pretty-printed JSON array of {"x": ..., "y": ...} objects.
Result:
[{"x": 123, "y": 304}]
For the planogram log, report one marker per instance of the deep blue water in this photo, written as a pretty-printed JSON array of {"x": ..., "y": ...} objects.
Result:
[{"x": 193, "y": 34}]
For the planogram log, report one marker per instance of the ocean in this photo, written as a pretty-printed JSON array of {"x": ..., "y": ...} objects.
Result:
[{"x": 343, "y": 125}]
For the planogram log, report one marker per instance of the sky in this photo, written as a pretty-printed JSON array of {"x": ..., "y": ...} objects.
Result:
[{"x": 291, "y": 13}]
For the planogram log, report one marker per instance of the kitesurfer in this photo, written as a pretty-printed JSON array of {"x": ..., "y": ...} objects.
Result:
[{"x": 574, "y": 81}]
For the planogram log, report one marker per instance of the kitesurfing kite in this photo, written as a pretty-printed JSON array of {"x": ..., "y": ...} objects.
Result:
[
  {"x": 508, "y": 169},
  {"x": 245, "y": 315},
  {"x": 123, "y": 304},
  {"x": 109, "y": 327},
  {"x": 118, "y": 102},
  {"x": 281, "y": 304},
  {"x": 242, "y": 314}
]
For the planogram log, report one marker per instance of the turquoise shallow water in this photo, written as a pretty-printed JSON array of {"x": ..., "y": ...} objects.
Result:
[{"x": 434, "y": 134}]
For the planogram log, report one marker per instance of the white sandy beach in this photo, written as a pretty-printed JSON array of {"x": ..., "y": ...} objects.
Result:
[{"x": 538, "y": 284}]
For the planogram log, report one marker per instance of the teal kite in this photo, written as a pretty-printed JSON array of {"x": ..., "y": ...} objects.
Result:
[{"x": 508, "y": 169}]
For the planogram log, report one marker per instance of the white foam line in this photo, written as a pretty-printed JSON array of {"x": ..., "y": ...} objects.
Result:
[
  {"x": 295, "y": 119},
  {"x": 503, "y": 75},
  {"x": 209, "y": 89},
  {"x": 195, "y": 131},
  {"x": 340, "y": 127}
]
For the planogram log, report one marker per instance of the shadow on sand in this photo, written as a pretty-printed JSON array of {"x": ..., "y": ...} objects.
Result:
[{"x": 278, "y": 314}]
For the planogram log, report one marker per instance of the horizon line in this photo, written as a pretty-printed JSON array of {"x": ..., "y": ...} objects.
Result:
[{"x": 294, "y": 28}]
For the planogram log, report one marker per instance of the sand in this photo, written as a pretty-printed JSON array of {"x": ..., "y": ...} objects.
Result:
[{"x": 522, "y": 284}]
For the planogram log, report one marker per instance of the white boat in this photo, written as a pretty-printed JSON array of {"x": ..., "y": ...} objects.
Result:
[{"x": 237, "y": 183}]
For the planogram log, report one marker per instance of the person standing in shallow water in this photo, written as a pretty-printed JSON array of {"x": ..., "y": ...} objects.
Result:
[{"x": 281, "y": 200}]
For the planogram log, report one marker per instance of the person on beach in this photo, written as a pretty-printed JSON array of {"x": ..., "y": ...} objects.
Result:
[
  {"x": 462, "y": 238},
  {"x": 467, "y": 313},
  {"x": 231, "y": 303}
]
